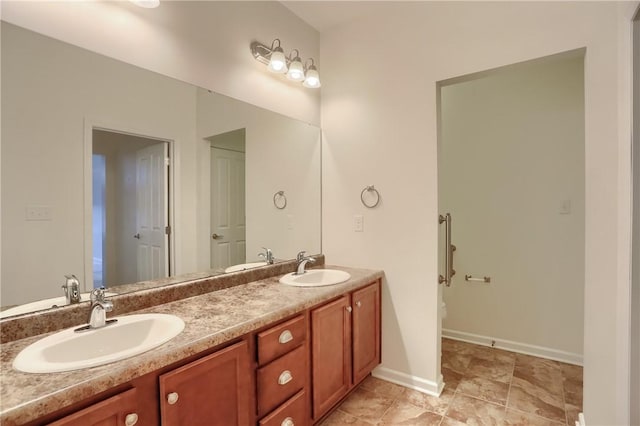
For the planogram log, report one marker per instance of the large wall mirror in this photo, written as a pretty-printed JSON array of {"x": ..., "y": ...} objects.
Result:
[{"x": 119, "y": 175}]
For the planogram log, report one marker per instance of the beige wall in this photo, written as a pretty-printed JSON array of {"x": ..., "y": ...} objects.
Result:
[
  {"x": 379, "y": 117},
  {"x": 511, "y": 153}
]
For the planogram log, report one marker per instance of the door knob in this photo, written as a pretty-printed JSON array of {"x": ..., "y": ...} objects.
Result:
[
  {"x": 216, "y": 236},
  {"x": 131, "y": 419},
  {"x": 172, "y": 398},
  {"x": 137, "y": 236}
]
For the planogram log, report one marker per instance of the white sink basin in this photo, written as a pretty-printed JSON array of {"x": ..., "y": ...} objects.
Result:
[
  {"x": 244, "y": 266},
  {"x": 43, "y": 304},
  {"x": 70, "y": 350},
  {"x": 316, "y": 278}
]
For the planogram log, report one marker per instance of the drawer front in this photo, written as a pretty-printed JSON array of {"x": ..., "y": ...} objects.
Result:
[
  {"x": 280, "y": 339},
  {"x": 292, "y": 413},
  {"x": 281, "y": 379}
]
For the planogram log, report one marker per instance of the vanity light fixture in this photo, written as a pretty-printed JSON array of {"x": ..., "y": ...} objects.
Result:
[
  {"x": 148, "y": 4},
  {"x": 273, "y": 57}
]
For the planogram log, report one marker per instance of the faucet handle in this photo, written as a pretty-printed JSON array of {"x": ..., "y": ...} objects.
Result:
[
  {"x": 301, "y": 256},
  {"x": 97, "y": 295},
  {"x": 71, "y": 281}
]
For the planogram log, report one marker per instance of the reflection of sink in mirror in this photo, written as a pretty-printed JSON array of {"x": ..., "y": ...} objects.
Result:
[
  {"x": 70, "y": 350},
  {"x": 43, "y": 304},
  {"x": 245, "y": 266},
  {"x": 315, "y": 278}
]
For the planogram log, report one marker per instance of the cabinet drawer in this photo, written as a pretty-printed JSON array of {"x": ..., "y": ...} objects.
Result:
[
  {"x": 280, "y": 339},
  {"x": 281, "y": 379},
  {"x": 291, "y": 413}
]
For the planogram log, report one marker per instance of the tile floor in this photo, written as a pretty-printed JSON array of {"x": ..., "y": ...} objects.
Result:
[{"x": 484, "y": 386}]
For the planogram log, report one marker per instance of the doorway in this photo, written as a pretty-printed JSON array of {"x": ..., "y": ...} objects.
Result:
[
  {"x": 228, "y": 212},
  {"x": 511, "y": 173},
  {"x": 130, "y": 208}
]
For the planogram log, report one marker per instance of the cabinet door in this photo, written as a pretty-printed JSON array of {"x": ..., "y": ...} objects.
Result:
[
  {"x": 119, "y": 410},
  {"x": 366, "y": 330},
  {"x": 331, "y": 354},
  {"x": 212, "y": 391}
]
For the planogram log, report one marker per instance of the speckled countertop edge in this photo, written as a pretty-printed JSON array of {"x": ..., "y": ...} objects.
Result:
[{"x": 211, "y": 319}]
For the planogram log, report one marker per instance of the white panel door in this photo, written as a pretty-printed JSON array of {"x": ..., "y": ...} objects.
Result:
[
  {"x": 228, "y": 227},
  {"x": 152, "y": 208}
]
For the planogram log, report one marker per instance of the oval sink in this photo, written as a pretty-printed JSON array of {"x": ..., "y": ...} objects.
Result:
[
  {"x": 70, "y": 350},
  {"x": 245, "y": 266},
  {"x": 54, "y": 302},
  {"x": 315, "y": 278}
]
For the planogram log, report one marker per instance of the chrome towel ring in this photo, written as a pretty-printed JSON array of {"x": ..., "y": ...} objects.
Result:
[
  {"x": 374, "y": 197},
  {"x": 280, "y": 200}
]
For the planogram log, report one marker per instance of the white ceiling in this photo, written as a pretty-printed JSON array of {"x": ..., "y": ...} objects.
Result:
[{"x": 323, "y": 15}]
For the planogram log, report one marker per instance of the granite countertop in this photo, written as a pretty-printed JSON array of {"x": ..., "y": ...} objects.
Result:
[{"x": 210, "y": 320}]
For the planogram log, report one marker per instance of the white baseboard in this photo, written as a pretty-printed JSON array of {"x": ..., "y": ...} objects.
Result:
[
  {"x": 523, "y": 348},
  {"x": 408, "y": 381},
  {"x": 580, "y": 421}
]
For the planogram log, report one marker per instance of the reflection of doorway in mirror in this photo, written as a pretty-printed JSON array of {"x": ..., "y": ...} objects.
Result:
[
  {"x": 99, "y": 217},
  {"x": 131, "y": 213},
  {"x": 228, "y": 224}
]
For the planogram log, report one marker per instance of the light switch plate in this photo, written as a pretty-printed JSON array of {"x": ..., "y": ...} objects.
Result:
[
  {"x": 358, "y": 223},
  {"x": 38, "y": 212}
]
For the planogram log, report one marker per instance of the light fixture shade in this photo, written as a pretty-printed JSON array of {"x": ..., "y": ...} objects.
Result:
[
  {"x": 296, "y": 70},
  {"x": 312, "y": 80},
  {"x": 149, "y": 4},
  {"x": 278, "y": 62}
]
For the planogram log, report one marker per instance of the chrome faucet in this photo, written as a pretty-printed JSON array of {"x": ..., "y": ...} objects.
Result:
[
  {"x": 72, "y": 289},
  {"x": 99, "y": 308},
  {"x": 267, "y": 255},
  {"x": 302, "y": 262}
]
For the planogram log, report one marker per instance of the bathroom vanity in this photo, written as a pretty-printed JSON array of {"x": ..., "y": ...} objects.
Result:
[{"x": 255, "y": 353}]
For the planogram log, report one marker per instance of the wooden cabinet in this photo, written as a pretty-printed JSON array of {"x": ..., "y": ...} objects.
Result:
[
  {"x": 212, "y": 391},
  {"x": 119, "y": 410},
  {"x": 330, "y": 354},
  {"x": 345, "y": 337},
  {"x": 365, "y": 331}
]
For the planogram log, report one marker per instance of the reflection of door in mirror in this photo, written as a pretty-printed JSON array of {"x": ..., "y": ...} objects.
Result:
[
  {"x": 228, "y": 224},
  {"x": 130, "y": 208}
]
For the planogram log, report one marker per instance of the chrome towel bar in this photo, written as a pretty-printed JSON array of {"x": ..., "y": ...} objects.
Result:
[{"x": 482, "y": 280}]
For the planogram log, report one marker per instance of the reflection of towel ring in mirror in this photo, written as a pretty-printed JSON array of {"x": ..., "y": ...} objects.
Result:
[
  {"x": 279, "y": 200},
  {"x": 372, "y": 189}
]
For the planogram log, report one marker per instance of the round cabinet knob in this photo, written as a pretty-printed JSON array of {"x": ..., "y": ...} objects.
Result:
[
  {"x": 172, "y": 398},
  {"x": 287, "y": 422},
  {"x": 349, "y": 309},
  {"x": 358, "y": 303},
  {"x": 285, "y": 377},
  {"x": 131, "y": 419},
  {"x": 285, "y": 337}
]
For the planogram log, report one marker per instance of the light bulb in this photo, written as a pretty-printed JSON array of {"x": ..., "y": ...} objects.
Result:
[
  {"x": 277, "y": 62},
  {"x": 296, "y": 70},
  {"x": 313, "y": 78}
]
